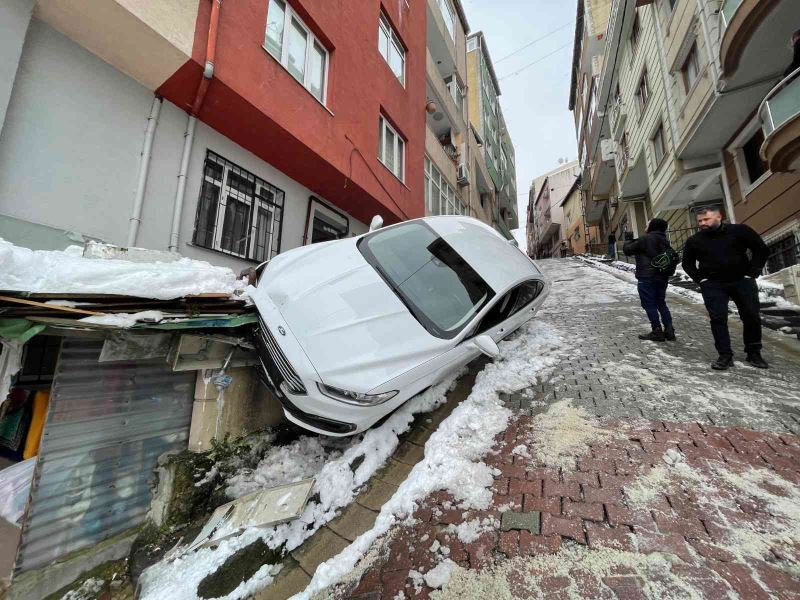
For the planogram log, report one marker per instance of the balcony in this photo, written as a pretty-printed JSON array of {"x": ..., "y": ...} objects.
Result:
[
  {"x": 617, "y": 118},
  {"x": 780, "y": 120},
  {"x": 447, "y": 117},
  {"x": 755, "y": 39},
  {"x": 440, "y": 41}
]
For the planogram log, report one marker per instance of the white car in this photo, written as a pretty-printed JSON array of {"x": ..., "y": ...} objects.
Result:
[{"x": 351, "y": 329}]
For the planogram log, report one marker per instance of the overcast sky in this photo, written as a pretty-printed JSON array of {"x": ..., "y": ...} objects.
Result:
[{"x": 535, "y": 101}]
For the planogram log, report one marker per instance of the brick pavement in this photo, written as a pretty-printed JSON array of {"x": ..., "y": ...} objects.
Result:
[{"x": 666, "y": 480}]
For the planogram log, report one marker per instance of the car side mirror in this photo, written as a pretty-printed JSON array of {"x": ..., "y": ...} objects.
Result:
[
  {"x": 487, "y": 345},
  {"x": 376, "y": 223}
]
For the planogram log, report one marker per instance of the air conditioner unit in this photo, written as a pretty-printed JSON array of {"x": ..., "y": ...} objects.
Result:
[
  {"x": 608, "y": 150},
  {"x": 613, "y": 201},
  {"x": 462, "y": 174}
]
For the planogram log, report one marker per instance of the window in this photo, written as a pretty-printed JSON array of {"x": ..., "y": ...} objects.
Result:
[
  {"x": 438, "y": 287},
  {"x": 296, "y": 48},
  {"x": 392, "y": 49},
  {"x": 643, "y": 93},
  {"x": 237, "y": 213},
  {"x": 472, "y": 44},
  {"x": 449, "y": 16},
  {"x": 636, "y": 32},
  {"x": 659, "y": 148},
  {"x": 756, "y": 167},
  {"x": 391, "y": 148},
  {"x": 510, "y": 304},
  {"x": 691, "y": 68},
  {"x": 440, "y": 197},
  {"x": 456, "y": 90},
  {"x": 783, "y": 253}
]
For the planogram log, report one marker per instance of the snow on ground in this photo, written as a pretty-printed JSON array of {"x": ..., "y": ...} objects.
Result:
[
  {"x": 68, "y": 272},
  {"x": 340, "y": 471},
  {"x": 453, "y": 453}
]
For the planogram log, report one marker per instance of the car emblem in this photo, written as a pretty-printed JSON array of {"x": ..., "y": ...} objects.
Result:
[{"x": 281, "y": 330}]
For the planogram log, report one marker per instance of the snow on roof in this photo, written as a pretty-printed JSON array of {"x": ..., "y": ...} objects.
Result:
[{"x": 69, "y": 272}]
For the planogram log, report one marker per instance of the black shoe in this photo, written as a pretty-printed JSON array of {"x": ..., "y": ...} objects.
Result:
[
  {"x": 755, "y": 359},
  {"x": 669, "y": 333},
  {"x": 656, "y": 335},
  {"x": 723, "y": 363}
]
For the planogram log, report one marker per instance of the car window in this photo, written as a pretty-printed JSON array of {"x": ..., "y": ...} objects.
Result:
[
  {"x": 514, "y": 301},
  {"x": 440, "y": 288}
]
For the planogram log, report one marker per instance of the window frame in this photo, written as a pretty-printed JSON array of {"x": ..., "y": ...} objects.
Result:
[
  {"x": 392, "y": 40},
  {"x": 643, "y": 99},
  {"x": 736, "y": 148},
  {"x": 312, "y": 41},
  {"x": 659, "y": 141},
  {"x": 692, "y": 60},
  {"x": 447, "y": 6},
  {"x": 383, "y": 125},
  {"x": 448, "y": 195},
  {"x": 636, "y": 30},
  {"x": 214, "y": 239}
]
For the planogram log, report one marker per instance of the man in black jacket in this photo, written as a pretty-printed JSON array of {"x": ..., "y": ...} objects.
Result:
[
  {"x": 652, "y": 284},
  {"x": 717, "y": 258}
]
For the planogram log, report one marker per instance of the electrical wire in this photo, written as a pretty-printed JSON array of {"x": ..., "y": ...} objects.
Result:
[
  {"x": 537, "y": 61},
  {"x": 529, "y": 44}
]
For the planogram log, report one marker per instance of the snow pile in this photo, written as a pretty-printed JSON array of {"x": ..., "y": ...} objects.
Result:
[
  {"x": 439, "y": 576},
  {"x": 89, "y": 589},
  {"x": 68, "y": 272},
  {"x": 563, "y": 433},
  {"x": 469, "y": 531},
  {"x": 125, "y": 320},
  {"x": 301, "y": 459},
  {"x": 336, "y": 486},
  {"x": 453, "y": 453}
]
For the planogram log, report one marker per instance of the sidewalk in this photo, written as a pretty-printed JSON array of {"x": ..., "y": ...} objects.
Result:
[{"x": 634, "y": 472}]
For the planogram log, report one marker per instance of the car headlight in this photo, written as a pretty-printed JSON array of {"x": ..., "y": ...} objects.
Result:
[{"x": 355, "y": 398}]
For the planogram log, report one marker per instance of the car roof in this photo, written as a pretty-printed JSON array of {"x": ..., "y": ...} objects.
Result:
[{"x": 495, "y": 259}]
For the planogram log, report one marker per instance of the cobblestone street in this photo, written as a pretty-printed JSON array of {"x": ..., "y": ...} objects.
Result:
[{"x": 632, "y": 471}]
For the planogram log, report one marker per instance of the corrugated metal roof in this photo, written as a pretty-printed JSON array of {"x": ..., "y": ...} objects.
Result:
[{"x": 106, "y": 426}]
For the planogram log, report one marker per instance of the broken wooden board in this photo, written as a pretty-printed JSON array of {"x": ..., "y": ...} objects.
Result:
[{"x": 264, "y": 508}]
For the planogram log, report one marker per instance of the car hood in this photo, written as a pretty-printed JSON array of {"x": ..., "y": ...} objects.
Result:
[{"x": 354, "y": 329}]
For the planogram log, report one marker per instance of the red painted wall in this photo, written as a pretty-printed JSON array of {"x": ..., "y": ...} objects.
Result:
[{"x": 254, "y": 101}]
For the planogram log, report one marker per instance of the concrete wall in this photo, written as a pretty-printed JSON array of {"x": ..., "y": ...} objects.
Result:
[
  {"x": 14, "y": 18},
  {"x": 71, "y": 146}
]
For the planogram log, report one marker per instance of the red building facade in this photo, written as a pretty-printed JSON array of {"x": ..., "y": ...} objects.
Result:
[{"x": 331, "y": 144}]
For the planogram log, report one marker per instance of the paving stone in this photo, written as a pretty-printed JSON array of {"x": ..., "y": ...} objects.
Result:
[
  {"x": 394, "y": 472},
  {"x": 528, "y": 521},
  {"x": 409, "y": 453},
  {"x": 290, "y": 581},
  {"x": 354, "y": 520},
  {"x": 321, "y": 546},
  {"x": 375, "y": 494}
]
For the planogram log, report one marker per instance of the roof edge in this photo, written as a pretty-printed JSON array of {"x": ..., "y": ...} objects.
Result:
[
  {"x": 576, "y": 54},
  {"x": 489, "y": 63}
]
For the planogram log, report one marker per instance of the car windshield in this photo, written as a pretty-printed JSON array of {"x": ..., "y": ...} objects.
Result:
[{"x": 440, "y": 289}]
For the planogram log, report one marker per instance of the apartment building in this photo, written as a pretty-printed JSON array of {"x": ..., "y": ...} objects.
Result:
[
  {"x": 673, "y": 103},
  {"x": 456, "y": 178},
  {"x": 491, "y": 131},
  {"x": 228, "y": 132},
  {"x": 546, "y": 210}
]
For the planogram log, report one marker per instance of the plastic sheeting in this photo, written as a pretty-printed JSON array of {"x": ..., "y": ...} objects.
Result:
[
  {"x": 106, "y": 426},
  {"x": 15, "y": 486}
]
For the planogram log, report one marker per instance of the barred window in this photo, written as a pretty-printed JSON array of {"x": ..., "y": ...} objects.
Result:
[{"x": 238, "y": 213}]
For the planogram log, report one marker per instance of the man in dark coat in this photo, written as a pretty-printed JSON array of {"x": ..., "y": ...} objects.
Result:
[
  {"x": 612, "y": 245},
  {"x": 652, "y": 284},
  {"x": 717, "y": 258}
]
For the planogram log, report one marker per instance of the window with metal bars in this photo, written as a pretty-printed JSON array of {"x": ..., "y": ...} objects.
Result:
[{"x": 238, "y": 213}]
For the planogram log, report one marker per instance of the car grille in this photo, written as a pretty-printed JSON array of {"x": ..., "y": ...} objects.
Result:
[{"x": 278, "y": 359}]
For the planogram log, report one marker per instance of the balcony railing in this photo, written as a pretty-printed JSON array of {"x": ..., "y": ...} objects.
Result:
[
  {"x": 727, "y": 11},
  {"x": 781, "y": 104},
  {"x": 617, "y": 117}
]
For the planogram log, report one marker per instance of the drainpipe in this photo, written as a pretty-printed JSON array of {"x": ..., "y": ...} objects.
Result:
[
  {"x": 713, "y": 57},
  {"x": 144, "y": 169},
  {"x": 188, "y": 136},
  {"x": 726, "y": 190}
]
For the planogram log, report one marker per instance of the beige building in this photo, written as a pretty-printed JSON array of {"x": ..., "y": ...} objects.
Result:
[
  {"x": 682, "y": 103},
  {"x": 456, "y": 178}
]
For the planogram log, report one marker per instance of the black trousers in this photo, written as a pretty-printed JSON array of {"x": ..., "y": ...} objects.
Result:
[{"x": 744, "y": 293}]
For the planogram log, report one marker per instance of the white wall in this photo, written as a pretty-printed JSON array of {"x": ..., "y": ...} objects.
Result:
[
  {"x": 14, "y": 18},
  {"x": 71, "y": 145}
]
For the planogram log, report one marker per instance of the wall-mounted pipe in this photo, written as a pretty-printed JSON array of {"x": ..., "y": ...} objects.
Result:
[
  {"x": 188, "y": 136},
  {"x": 144, "y": 169}
]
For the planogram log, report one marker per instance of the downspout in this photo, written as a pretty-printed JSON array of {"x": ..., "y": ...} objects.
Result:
[
  {"x": 188, "y": 136},
  {"x": 144, "y": 169},
  {"x": 726, "y": 190}
]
